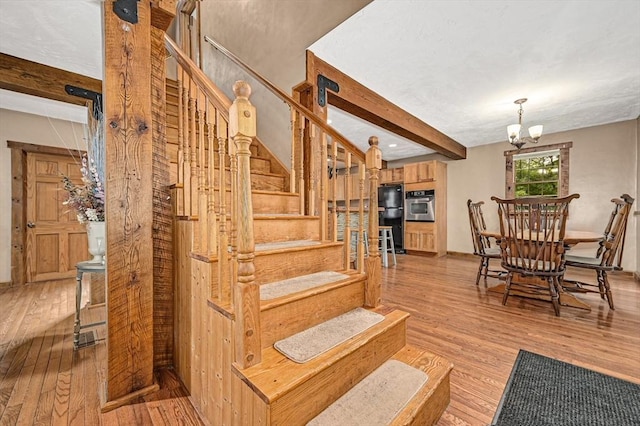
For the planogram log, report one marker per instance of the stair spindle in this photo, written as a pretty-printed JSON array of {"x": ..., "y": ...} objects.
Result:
[{"x": 224, "y": 261}]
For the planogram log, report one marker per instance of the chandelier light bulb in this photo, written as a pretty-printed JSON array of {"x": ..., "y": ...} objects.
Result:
[{"x": 513, "y": 130}]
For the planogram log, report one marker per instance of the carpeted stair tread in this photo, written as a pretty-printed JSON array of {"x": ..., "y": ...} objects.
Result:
[
  {"x": 297, "y": 284},
  {"x": 377, "y": 399},
  {"x": 314, "y": 341},
  {"x": 285, "y": 245},
  {"x": 277, "y": 375}
]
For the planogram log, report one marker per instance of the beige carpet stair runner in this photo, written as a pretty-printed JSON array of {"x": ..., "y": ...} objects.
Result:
[
  {"x": 316, "y": 340},
  {"x": 294, "y": 285},
  {"x": 384, "y": 393}
]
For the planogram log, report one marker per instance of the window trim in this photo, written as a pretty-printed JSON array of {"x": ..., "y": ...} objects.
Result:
[{"x": 563, "y": 178}]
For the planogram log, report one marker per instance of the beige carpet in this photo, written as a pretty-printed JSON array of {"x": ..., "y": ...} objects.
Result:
[
  {"x": 297, "y": 284},
  {"x": 316, "y": 340},
  {"x": 377, "y": 399}
]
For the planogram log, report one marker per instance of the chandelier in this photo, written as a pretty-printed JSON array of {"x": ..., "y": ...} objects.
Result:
[{"x": 513, "y": 130}]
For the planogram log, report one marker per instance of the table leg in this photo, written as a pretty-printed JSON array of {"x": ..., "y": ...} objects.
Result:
[{"x": 566, "y": 299}]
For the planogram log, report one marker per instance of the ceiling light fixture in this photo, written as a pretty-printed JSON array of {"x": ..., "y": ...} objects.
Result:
[
  {"x": 513, "y": 130},
  {"x": 393, "y": 145}
]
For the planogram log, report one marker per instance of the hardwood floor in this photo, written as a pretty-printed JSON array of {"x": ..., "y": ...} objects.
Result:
[
  {"x": 43, "y": 381},
  {"x": 470, "y": 327}
]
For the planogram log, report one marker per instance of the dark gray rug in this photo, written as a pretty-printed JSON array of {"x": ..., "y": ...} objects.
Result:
[{"x": 543, "y": 391}]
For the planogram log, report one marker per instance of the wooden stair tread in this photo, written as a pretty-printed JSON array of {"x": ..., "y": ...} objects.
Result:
[
  {"x": 294, "y": 245},
  {"x": 277, "y": 375},
  {"x": 351, "y": 276},
  {"x": 377, "y": 399},
  {"x": 437, "y": 370},
  {"x": 435, "y": 393}
]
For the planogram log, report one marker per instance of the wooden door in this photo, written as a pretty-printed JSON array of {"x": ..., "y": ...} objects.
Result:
[{"x": 55, "y": 240}]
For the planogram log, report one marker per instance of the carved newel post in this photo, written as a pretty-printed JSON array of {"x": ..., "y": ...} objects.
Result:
[
  {"x": 246, "y": 294},
  {"x": 373, "y": 160}
]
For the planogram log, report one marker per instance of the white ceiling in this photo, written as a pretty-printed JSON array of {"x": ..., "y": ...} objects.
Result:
[{"x": 458, "y": 65}]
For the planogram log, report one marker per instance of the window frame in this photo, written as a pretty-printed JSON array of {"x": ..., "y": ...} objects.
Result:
[{"x": 563, "y": 172}]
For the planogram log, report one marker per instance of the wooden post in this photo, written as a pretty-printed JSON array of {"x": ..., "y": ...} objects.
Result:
[
  {"x": 129, "y": 196},
  {"x": 374, "y": 164},
  {"x": 246, "y": 294}
]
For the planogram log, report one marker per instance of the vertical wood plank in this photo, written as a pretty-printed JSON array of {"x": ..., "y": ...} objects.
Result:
[
  {"x": 129, "y": 213},
  {"x": 162, "y": 221}
]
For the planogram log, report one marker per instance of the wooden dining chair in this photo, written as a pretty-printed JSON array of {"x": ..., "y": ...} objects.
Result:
[
  {"x": 608, "y": 256},
  {"x": 482, "y": 244},
  {"x": 533, "y": 253}
]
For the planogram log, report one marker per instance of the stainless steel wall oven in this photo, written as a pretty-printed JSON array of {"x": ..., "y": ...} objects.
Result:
[{"x": 419, "y": 206}]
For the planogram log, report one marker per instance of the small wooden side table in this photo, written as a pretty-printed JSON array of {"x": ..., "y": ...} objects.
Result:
[{"x": 81, "y": 268}]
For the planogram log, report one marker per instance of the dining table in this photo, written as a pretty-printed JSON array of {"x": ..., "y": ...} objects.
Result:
[{"x": 571, "y": 238}]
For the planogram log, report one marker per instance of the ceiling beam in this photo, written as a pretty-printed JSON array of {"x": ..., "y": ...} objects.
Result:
[
  {"x": 366, "y": 104},
  {"x": 32, "y": 78}
]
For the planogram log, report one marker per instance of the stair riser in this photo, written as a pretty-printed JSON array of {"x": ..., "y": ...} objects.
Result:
[
  {"x": 275, "y": 203},
  {"x": 285, "y": 229},
  {"x": 431, "y": 411},
  {"x": 285, "y": 320},
  {"x": 281, "y": 266},
  {"x": 311, "y": 397}
]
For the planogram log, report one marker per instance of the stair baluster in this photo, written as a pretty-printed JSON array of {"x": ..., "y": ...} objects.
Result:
[
  {"x": 361, "y": 242},
  {"x": 203, "y": 219},
  {"x": 374, "y": 268},
  {"x": 242, "y": 128},
  {"x": 224, "y": 262},
  {"x": 211, "y": 225},
  {"x": 346, "y": 236},
  {"x": 186, "y": 169},
  {"x": 334, "y": 190},
  {"x": 179, "y": 202}
]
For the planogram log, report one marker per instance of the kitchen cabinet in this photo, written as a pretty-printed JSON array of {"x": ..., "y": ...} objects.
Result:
[
  {"x": 395, "y": 175},
  {"x": 424, "y": 171},
  {"x": 420, "y": 236},
  {"x": 427, "y": 237}
]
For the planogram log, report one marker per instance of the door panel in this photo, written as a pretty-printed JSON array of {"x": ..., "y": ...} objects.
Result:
[{"x": 55, "y": 240}]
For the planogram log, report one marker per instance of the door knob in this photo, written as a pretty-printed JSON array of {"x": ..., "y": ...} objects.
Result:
[{"x": 31, "y": 225}]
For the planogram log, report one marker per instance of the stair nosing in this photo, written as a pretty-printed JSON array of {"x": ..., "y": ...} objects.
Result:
[{"x": 353, "y": 277}]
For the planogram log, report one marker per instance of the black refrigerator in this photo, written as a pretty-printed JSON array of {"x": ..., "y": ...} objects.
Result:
[{"x": 391, "y": 212}]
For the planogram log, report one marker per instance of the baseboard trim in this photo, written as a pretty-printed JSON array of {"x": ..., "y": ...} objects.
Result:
[
  {"x": 6, "y": 284},
  {"x": 461, "y": 254}
]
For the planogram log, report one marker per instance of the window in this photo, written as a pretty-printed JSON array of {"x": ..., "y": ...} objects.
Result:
[{"x": 538, "y": 171}]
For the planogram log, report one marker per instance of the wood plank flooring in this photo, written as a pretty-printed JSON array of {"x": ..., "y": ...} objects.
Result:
[
  {"x": 470, "y": 327},
  {"x": 44, "y": 382}
]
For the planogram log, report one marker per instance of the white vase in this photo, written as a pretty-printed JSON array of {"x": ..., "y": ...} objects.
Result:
[{"x": 97, "y": 241}]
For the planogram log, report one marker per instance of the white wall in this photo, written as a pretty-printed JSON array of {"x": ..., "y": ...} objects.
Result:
[{"x": 33, "y": 129}]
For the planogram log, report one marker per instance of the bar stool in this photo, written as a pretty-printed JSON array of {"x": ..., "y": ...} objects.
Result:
[
  {"x": 81, "y": 268},
  {"x": 386, "y": 238}
]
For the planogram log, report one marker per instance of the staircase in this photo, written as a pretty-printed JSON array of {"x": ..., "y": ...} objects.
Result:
[{"x": 246, "y": 280}]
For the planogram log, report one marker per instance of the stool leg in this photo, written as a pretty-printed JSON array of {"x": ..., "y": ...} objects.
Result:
[
  {"x": 76, "y": 324},
  {"x": 385, "y": 258},
  {"x": 393, "y": 248}
]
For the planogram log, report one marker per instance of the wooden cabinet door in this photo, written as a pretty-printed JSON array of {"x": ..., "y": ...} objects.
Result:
[
  {"x": 55, "y": 240},
  {"x": 420, "y": 236},
  {"x": 424, "y": 171},
  {"x": 386, "y": 175}
]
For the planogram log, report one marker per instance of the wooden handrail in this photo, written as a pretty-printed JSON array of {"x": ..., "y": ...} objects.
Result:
[
  {"x": 217, "y": 98},
  {"x": 290, "y": 101}
]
